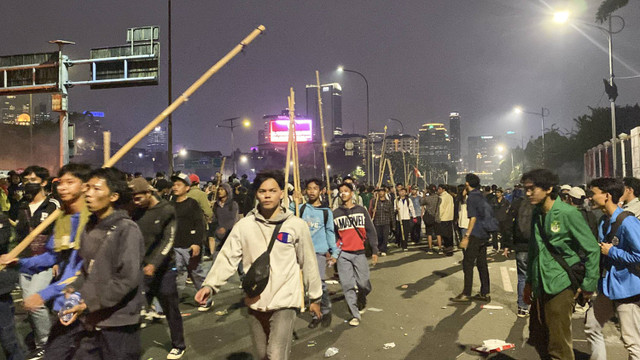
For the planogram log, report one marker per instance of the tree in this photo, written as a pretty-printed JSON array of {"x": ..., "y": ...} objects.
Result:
[{"x": 607, "y": 7}]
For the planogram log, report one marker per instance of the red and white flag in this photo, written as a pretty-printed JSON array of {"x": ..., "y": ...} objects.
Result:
[{"x": 417, "y": 173}]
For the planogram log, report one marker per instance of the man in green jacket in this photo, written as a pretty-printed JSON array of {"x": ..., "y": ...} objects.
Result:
[{"x": 548, "y": 284}]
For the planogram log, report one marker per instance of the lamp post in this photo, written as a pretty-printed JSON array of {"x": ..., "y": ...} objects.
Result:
[
  {"x": 367, "y": 157},
  {"x": 563, "y": 17},
  {"x": 401, "y": 125},
  {"x": 231, "y": 126},
  {"x": 543, "y": 112}
]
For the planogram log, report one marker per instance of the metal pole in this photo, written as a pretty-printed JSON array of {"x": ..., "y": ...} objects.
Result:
[
  {"x": 368, "y": 153},
  {"x": 613, "y": 102},
  {"x": 542, "y": 114},
  {"x": 169, "y": 95},
  {"x": 233, "y": 148}
]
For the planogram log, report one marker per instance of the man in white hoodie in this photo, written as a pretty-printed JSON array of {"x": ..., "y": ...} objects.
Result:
[{"x": 272, "y": 313}]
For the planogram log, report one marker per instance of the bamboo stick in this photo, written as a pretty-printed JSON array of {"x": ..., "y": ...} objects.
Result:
[
  {"x": 393, "y": 183},
  {"x": 218, "y": 180},
  {"x": 324, "y": 142},
  {"x": 106, "y": 145},
  {"x": 144, "y": 132}
]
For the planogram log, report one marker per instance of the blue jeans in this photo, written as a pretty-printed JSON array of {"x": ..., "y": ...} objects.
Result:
[
  {"x": 8, "y": 338},
  {"x": 521, "y": 265},
  {"x": 186, "y": 265},
  {"x": 325, "y": 301},
  {"x": 39, "y": 319}
]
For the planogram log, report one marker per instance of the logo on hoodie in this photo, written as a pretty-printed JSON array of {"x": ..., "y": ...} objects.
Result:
[{"x": 283, "y": 237}]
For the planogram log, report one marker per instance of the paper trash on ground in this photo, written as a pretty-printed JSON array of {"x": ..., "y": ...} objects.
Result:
[
  {"x": 493, "y": 346},
  {"x": 388, "y": 346},
  {"x": 331, "y": 351}
]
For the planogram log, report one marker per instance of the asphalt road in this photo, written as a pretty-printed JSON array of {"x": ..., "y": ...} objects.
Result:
[{"x": 408, "y": 307}]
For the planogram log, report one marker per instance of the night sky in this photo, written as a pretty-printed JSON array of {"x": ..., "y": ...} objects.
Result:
[{"x": 423, "y": 59}]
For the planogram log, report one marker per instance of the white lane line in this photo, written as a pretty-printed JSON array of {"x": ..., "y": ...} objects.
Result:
[{"x": 506, "y": 282}]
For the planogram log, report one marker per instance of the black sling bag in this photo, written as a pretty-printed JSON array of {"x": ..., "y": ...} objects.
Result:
[{"x": 257, "y": 278}]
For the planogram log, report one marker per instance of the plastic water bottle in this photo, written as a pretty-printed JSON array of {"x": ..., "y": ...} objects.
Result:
[{"x": 70, "y": 302}]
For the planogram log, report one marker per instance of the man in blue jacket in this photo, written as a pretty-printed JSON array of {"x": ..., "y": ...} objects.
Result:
[
  {"x": 619, "y": 284},
  {"x": 320, "y": 221}
]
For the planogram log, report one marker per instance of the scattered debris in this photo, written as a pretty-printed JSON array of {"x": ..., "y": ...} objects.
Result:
[
  {"x": 331, "y": 351},
  {"x": 143, "y": 325},
  {"x": 374, "y": 309},
  {"x": 388, "y": 346},
  {"x": 405, "y": 334},
  {"x": 158, "y": 343},
  {"x": 312, "y": 343},
  {"x": 492, "y": 307},
  {"x": 222, "y": 312},
  {"x": 493, "y": 346},
  {"x": 404, "y": 286},
  {"x": 331, "y": 282},
  {"x": 444, "y": 307},
  {"x": 185, "y": 314}
]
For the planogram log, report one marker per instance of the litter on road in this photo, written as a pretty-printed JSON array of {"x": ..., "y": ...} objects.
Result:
[
  {"x": 492, "y": 307},
  {"x": 311, "y": 343},
  {"x": 222, "y": 312},
  {"x": 492, "y": 346},
  {"x": 404, "y": 286},
  {"x": 331, "y": 351},
  {"x": 388, "y": 346},
  {"x": 374, "y": 309}
]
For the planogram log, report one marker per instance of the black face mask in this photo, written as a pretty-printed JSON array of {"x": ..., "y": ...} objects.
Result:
[{"x": 32, "y": 189}]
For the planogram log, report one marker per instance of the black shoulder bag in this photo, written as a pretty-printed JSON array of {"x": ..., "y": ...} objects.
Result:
[
  {"x": 356, "y": 228},
  {"x": 257, "y": 278},
  {"x": 576, "y": 272}
]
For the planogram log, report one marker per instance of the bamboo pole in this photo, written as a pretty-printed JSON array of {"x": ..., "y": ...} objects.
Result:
[
  {"x": 382, "y": 155},
  {"x": 393, "y": 183},
  {"x": 106, "y": 145},
  {"x": 218, "y": 180},
  {"x": 375, "y": 205},
  {"x": 324, "y": 142},
  {"x": 404, "y": 169},
  {"x": 294, "y": 148},
  {"x": 288, "y": 157},
  {"x": 144, "y": 132}
]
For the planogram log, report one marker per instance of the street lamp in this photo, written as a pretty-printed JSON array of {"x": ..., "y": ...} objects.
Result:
[
  {"x": 368, "y": 160},
  {"x": 543, "y": 112},
  {"x": 614, "y": 93},
  {"x": 246, "y": 123},
  {"x": 399, "y": 122}
]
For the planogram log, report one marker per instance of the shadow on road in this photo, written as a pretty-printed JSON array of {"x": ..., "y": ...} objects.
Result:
[{"x": 427, "y": 281}]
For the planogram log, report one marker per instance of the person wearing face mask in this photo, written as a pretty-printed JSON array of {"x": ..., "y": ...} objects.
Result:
[{"x": 34, "y": 208}]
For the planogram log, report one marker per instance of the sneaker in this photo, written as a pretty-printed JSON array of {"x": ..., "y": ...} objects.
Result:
[
  {"x": 522, "y": 312},
  {"x": 159, "y": 315},
  {"x": 314, "y": 323},
  {"x": 383, "y": 254},
  {"x": 430, "y": 251},
  {"x": 189, "y": 281},
  {"x": 354, "y": 322},
  {"x": 175, "y": 353},
  {"x": 36, "y": 354},
  {"x": 206, "y": 307},
  {"x": 405, "y": 249},
  {"x": 481, "y": 297},
  {"x": 441, "y": 251},
  {"x": 461, "y": 298},
  {"x": 326, "y": 320}
]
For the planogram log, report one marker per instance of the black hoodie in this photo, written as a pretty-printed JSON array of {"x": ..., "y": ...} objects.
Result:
[
  {"x": 158, "y": 226},
  {"x": 111, "y": 276}
]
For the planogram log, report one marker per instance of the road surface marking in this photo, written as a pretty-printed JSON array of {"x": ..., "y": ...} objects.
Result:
[{"x": 506, "y": 282}]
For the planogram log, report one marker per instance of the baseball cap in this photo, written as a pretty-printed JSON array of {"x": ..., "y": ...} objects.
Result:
[
  {"x": 139, "y": 185},
  {"x": 577, "y": 193},
  {"x": 194, "y": 178},
  {"x": 162, "y": 184},
  {"x": 182, "y": 177},
  {"x": 565, "y": 187}
]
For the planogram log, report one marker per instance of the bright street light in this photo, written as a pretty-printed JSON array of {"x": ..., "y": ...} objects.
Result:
[
  {"x": 183, "y": 152},
  {"x": 517, "y": 109},
  {"x": 561, "y": 17},
  {"x": 243, "y": 159},
  {"x": 340, "y": 68},
  {"x": 500, "y": 148},
  {"x": 79, "y": 141},
  {"x": 246, "y": 123}
]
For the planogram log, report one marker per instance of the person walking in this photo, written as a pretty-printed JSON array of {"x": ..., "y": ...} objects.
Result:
[
  {"x": 382, "y": 215},
  {"x": 404, "y": 218},
  {"x": 353, "y": 227},
  {"x": 444, "y": 228},
  {"x": 272, "y": 313}
]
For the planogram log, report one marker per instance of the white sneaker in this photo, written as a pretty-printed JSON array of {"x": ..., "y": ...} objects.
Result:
[
  {"x": 354, "y": 322},
  {"x": 175, "y": 353},
  {"x": 383, "y": 254},
  {"x": 205, "y": 308}
]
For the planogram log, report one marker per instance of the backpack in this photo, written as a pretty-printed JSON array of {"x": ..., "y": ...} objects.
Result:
[
  {"x": 325, "y": 213},
  {"x": 488, "y": 222}
]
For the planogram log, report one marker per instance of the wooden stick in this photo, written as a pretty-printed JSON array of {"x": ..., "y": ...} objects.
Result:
[
  {"x": 218, "y": 180},
  {"x": 294, "y": 148},
  {"x": 144, "y": 132},
  {"x": 324, "y": 142},
  {"x": 393, "y": 183},
  {"x": 288, "y": 157},
  {"x": 404, "y": 169},
  {"x": 375, "y": 205},
  {"x": 106, "y": 144},
  {"x": 382, "y": 155}
]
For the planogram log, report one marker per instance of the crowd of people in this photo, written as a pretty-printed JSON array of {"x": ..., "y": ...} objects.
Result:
[{"x": 125, "y": 248}]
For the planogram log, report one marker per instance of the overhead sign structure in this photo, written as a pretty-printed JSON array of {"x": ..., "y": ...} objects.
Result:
[
  {"x": 29, "y": 73},
  {"x": 279, "y": 130}
]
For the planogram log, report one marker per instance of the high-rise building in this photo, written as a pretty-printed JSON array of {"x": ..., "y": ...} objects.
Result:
[
  {"x": 331, "y": 110},
  {"x": 15, "y": 110},
  {"x": 483, "y": 156},
  {"x": 403, "y": 143},
  {"x": 433, "y": 144},
  {"x": 157, "y": 140},
  {"x": 454, "y": 136}
]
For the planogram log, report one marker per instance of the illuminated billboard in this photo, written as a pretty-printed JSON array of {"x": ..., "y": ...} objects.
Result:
[{"x": 279, "y": 130}]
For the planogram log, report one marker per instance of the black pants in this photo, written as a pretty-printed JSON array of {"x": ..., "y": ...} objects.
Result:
[
  {"x": 8, "y": 338},
  {"x": 475, "y": 254},
  {"x": 445, "y": 230},
  {"x": 122, "y": 343},
  {"x": 63, "y": 341},
  {"x": 163, "y": 286},
  {"x": 403, "y": 232},
  {"x": 383, "y": 234},
  {"x": 415, "y": 231}
]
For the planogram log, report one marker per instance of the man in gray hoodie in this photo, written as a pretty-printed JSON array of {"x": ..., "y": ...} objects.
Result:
[
  {"x": 272, "y": 313},
  {"x": 225, "y": 212}
]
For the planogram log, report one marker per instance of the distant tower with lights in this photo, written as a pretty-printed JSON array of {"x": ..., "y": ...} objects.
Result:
[
  {"x": 454, "y": 136},
  {"x": 157, "y": 140},
  {"x": 331, "y": 110}
]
